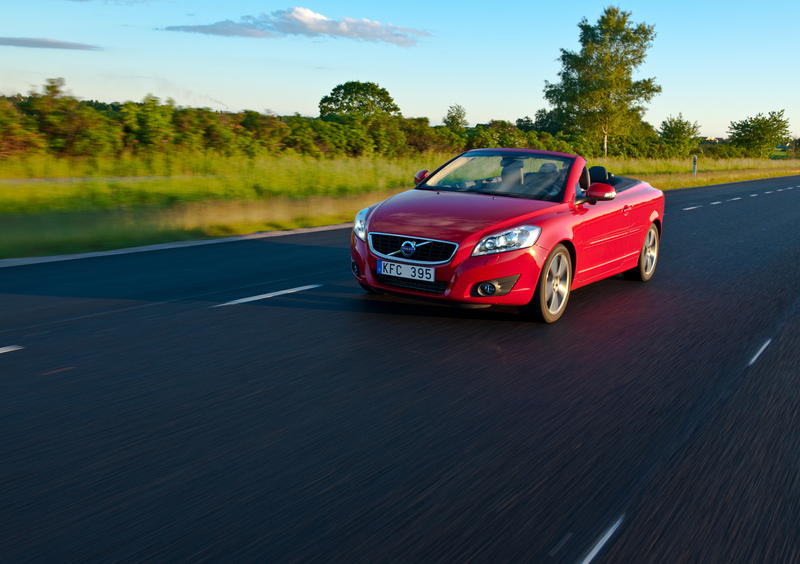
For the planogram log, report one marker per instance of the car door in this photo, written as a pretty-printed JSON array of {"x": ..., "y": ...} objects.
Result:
[
  {"x": 642, "y": 208},
  {"x": 604, "y": 236}
]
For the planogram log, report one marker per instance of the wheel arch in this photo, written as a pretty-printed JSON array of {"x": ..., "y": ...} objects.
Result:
[
  {"x": 573, "y": 257},
  {"x": 657, "y": 221}
]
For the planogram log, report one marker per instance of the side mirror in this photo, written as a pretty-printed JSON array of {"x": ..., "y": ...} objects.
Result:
[
  {"x": 601, "y": 192},
  {"x": 598, "y": 192},
  {"x": 420, "y": 176}
]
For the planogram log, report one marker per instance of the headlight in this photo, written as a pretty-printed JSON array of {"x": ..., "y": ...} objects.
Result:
[
  {"x": 360, "y": 225},
  {"x": 518, "y": 238}
]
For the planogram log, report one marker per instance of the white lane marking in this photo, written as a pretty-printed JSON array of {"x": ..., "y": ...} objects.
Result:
[
  {"x": 753, "y": 195},
  {"x": 603, "y": 540},
  {"x": 734, "y": 199},
  {"x": 770, "y": 192},
  {"x": 780, "y": 189},
  {"x": 10, "y": 349},
  {"x": 715, "y": 203},
  {"x": 270, "y": 295},
  {"x": 758, "y": 354},
  {"x": 694, "y": 208}
]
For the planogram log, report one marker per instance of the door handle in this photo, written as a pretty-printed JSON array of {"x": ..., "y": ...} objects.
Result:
[{"x": 626, "y": 210}]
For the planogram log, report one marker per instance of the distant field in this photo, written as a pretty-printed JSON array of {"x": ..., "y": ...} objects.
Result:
[{"x": 51, "y": 206}]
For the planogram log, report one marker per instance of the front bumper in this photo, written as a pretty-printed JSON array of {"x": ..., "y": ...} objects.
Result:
[{"x": 460, "y": 277}]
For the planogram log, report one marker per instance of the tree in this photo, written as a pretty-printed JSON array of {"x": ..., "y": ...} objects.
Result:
[
  {"x": 641, "y": 142},
  {"x": 794, "y": 148},
  {"x": 15, "y": 137},
  {"x": 679, "y": 136},
  {"x": 525, "y": 124},
  {"x": 547, "y": 121},
  {"x": 362, "y": 98},
  {"x": 760, "y": 135},
  {"x": 456, "y": 119},
  {"x": 597, "y": 95}
]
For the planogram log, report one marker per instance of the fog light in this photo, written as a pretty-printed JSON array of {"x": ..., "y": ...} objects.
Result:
[
  {"x": 354, "y": 268},
  {"x": 487, "y": 289},
  {"x": 494, "y": 288}
]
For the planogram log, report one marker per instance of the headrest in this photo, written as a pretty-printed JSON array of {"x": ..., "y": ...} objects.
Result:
[
  {"x": 548, "y": 168},
  {"x": 598, "y": 174},
  {"x": 512, "y": 163}
]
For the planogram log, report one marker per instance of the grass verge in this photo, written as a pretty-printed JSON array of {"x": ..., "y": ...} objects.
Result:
[{"x": 76, "y": 231}]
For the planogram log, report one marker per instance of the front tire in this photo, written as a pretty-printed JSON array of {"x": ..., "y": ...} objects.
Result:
[
  {"x": 552, "y": 291},
  {"x": 648, "y": 257}
]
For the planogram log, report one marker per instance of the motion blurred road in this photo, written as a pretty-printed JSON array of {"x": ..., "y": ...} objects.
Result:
[{"x": 142, "y": 419}]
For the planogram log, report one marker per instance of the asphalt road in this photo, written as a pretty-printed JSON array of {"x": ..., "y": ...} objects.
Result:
[{"x": 655, "y": 422}]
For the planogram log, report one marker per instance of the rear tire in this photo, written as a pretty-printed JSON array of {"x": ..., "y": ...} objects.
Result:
[
  {"x": 648, "y": 257},
  {"x": 552, "y": 291}
]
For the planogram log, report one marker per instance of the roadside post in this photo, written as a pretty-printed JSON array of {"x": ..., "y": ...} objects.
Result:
[{"x": 694, "y": 166}]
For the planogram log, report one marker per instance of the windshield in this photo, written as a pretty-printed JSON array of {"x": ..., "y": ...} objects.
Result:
[{"x": 503, "y": 173}]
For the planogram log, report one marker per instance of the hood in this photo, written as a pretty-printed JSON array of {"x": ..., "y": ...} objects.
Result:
[{"x": 451, "y": 216}]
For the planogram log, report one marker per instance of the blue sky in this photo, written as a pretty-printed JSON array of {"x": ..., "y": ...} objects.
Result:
[{"x": 716, "y": 61}]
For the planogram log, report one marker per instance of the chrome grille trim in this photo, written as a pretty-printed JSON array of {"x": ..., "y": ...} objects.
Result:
[{"x": 420, "y": 242}]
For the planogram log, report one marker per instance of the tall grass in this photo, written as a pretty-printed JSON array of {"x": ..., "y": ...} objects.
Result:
[
  {"x": 36, "y": 185},
  {"x": 46, "y": 183},
  {"x": 284, "y": 170},
  {"x": 277, "y": 167}
]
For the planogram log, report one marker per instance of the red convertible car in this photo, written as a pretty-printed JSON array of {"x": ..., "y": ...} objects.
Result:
[{"x": 508, "y": 227}]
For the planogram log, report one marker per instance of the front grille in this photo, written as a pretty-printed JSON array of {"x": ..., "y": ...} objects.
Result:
[
  {"x": 433, "y": 287},
  {"x": 428, "y": 250}
]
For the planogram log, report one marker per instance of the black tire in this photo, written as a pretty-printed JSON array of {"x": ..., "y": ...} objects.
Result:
[
  {"x": 648, "y": 257},
  {"x": 367, "y": 289},
  {"x": 551, "y": 295}
]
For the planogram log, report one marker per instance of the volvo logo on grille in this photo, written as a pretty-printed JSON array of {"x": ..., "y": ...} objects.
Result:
[{"x": 408, "y": 248}]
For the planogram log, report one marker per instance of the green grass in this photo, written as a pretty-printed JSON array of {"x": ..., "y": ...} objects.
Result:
[
  {"x": 634, "y": 167},
  {"x": 53, "y": 206}
]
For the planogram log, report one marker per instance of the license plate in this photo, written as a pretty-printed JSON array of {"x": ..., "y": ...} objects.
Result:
[{"x": 413, "y": 272}]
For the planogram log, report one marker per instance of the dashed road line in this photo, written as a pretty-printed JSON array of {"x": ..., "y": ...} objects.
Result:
[
  {"x": 758, "y": 354},
  {"x": 739, "y": 198},
  {"x": 270, "y": 295},
  {"x": 10, "y": 349},
  {"x": 602, "y": 541}
]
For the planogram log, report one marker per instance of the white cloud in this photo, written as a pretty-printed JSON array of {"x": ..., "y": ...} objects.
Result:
[
  {"x": 302, "y": 21},
  {"x": 45, "y": 43}
]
